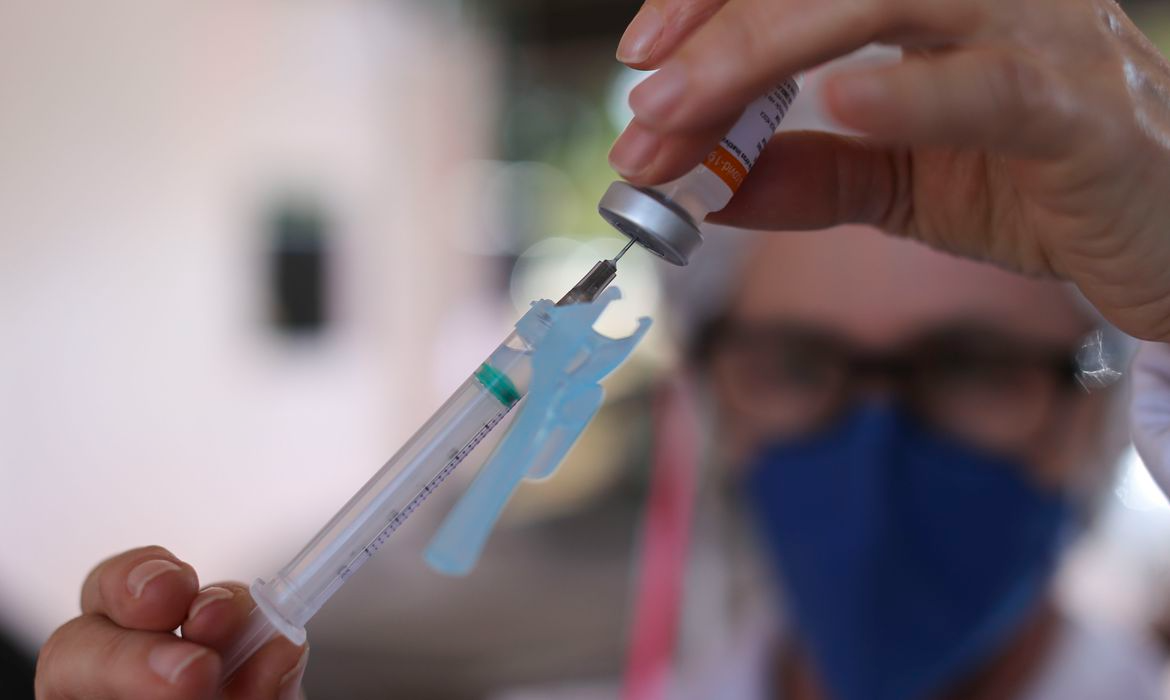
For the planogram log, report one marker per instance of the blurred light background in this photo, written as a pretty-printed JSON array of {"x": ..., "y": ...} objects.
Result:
[{"x": 247, "y": 247}]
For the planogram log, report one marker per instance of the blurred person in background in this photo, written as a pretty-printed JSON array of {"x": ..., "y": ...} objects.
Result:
[
  {"x": 1036, "y": 136},
  {"x": 908, "y": 433}
]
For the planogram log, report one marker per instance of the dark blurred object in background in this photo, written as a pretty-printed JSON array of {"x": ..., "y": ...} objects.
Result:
[
  {"x": 16, "y": 671},
  {"x": 558, "y": 21},
  {"x": 299, "y": 269}
]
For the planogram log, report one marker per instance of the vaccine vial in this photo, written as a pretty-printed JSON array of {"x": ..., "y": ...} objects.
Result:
[{"x": 665, "y": 219}]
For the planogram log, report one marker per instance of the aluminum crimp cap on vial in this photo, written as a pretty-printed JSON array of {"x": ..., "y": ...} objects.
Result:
[{"x": 651, "y": 220}]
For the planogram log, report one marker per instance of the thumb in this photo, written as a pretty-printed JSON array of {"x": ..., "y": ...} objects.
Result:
[{"x": 811, "y": 180}]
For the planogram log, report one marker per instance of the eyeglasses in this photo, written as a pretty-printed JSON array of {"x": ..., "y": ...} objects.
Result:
[{"x": 975, "y": 383}]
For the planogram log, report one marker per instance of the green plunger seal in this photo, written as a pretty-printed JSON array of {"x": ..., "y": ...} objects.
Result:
[{"x": 498, "y": 384}]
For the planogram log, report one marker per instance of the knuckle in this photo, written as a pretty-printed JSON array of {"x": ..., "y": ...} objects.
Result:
[
  {"x": 1012, "y": 79},
  {"x": 53, "y": 658},
  {"x": 47, "y": 658},
  {"x": 1021, "y": 87},
  {"x": 152, "y": 550},
  {"x": 112, "y": 650},
  {"x": 753, "y": 33},
  {"x": 693, "y": 12}
]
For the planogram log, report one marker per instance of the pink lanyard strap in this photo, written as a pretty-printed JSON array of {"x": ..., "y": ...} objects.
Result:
[{"x": 665, "y": 544}]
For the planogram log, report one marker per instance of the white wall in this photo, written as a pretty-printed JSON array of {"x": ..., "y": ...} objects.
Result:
[{"x": 141, "y": 398}]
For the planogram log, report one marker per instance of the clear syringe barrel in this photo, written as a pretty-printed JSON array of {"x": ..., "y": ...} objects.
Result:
[{"x": 287, "y": 600}]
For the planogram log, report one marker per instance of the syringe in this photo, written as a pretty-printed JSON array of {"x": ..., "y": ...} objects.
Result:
[
  {"x": 663, "y": 220},
  {"x": 286, "y": 601}
]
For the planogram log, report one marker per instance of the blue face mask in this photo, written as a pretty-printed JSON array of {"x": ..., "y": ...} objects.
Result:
[{"x": 907, "y": 558}]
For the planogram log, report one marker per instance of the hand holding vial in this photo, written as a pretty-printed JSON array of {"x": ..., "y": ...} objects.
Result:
[{"x": 1034, "y": 135}]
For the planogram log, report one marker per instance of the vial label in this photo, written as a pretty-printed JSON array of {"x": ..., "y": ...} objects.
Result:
[{"x": 738, "y": 151}]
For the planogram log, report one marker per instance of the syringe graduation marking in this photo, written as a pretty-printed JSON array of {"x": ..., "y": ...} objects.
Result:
[{"x": 415, "y": 502}]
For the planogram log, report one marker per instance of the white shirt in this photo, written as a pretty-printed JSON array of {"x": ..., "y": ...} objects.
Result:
[
  {"x": 1096, "y": 663},
  {"x": 1150, "y": 413},
  {"x": 1087, "y": 662}
]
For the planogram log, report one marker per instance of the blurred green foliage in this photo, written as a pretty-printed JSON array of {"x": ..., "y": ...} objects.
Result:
[
  {"x": 556, "y": 114},
  {"x": 1154, "y": 19}
]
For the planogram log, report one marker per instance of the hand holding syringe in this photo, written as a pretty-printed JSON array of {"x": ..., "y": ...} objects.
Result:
[{"x": 553, "y": 356}]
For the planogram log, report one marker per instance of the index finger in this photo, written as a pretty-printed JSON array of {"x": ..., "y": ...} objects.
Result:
[
  {"x": 145, "y": 589},
  {"x": 750, "y": 45},
  {"x": 659, "y": 27}
]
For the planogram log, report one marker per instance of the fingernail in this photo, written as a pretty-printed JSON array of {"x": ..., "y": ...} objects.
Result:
[
  {"x": 660, "y": 94},
  {"x": 206, "y": 597},
  {"x": 290, "y": 683},
  {"x": 146, "y": 572},
  {"x": 641, "y": 36},
  {"x": 170, "y": 660},
  {"x": 634, "y": 150}
]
